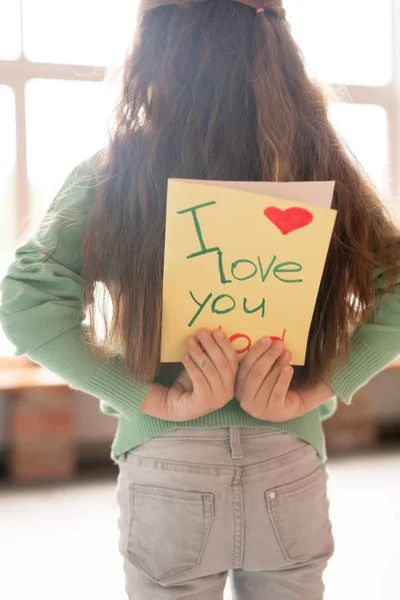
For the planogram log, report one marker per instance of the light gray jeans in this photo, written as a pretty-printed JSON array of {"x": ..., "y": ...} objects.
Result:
[{"x": 197, "y": 504}]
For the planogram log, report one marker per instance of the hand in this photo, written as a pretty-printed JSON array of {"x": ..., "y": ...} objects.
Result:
[
  {"x": 262, "y": 385},
  {"x": 263, "y": 380},
  {"x": 206, "y": 384}
]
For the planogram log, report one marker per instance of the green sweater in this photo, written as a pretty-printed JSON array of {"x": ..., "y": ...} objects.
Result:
[{"x": 42, "y": 315}]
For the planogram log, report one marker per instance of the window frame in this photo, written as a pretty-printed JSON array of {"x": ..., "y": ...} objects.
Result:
[{"x": 16, "y": 74}]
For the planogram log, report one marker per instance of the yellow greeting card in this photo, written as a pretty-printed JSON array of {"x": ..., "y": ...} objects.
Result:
[{"x": 245, "y": 257}]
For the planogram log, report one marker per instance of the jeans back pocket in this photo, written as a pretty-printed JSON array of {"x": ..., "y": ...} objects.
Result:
[
  {"x": 299, "y": 512},
  {"x": 168, "y": 530}
]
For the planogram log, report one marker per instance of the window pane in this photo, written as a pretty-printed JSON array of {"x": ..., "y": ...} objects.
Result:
[
  {"x": 364, "y": 128},
  {"x": 10, "y": 30},
  {"x": 7, "y": 190},
  {"x": 345, "y": 41},
  {"x": 7, "y": 170},
  {"x": 66, "y": 123},
  {"x": 75, "y": 32}
]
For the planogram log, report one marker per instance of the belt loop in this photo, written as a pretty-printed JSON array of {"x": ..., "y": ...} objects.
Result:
[{"x": 234, "y": 440}]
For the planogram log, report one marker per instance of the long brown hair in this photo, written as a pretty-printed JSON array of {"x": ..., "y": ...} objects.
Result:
[{"x": 213, "y": 90}]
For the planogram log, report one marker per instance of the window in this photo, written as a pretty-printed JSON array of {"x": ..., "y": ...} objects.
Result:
[
  {"x": 345, "y": 41},
  {"x": 8, "y": 221},
  {"x": 352, "y": 43},
  {"x": 53, "y": 90},
  {"x": 58, "y": 113},
  {"x": 10, "y": 30},
  {"x": 100, "y": 35},
  {"x": 364, "y": 129}
]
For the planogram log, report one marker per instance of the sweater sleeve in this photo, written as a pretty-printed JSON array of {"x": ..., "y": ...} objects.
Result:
[
  {"x": 42, "y": 300},
  {"x": 374, "y": 345}
]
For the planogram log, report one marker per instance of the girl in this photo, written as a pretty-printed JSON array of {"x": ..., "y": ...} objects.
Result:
[{"x": 221, "y": 467}]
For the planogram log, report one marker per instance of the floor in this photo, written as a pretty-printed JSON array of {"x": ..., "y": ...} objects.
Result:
[{"x": 62, "y": 542}]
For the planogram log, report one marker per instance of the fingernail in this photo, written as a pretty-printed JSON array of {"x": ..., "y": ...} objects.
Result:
[
  {"x": 266, "y": 341},
  {"x": 218, "y": 333},
  {"x": 279, "y": 345},
  {"x": 286, "y": 355}
]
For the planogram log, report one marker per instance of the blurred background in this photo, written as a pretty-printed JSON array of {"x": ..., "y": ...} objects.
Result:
[{"x": 60, "y": 64}]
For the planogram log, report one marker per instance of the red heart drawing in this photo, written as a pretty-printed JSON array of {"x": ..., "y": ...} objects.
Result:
[{"x": 290, "y": 219}]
